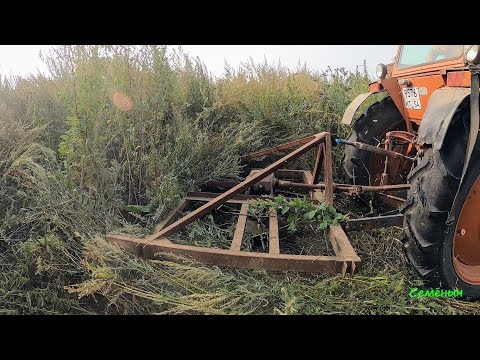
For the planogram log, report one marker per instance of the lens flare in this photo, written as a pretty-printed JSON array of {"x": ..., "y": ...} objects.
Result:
[{"x": 121, "y": 101}]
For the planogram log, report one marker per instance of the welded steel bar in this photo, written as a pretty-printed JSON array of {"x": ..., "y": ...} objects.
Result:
[
  {"x": 374, "y": 149},
  {"x": 342, "y": 187},
  {"x": 253, "y": 260},
  {"x": 222, "y": 198},
  {"x": 273, "y": 237},
  {"x": 315, "y": 194},
  {"x": 398, "y": 199},
  {"x": 373, "y": 222},
  {"x": 277, "y": 148},
  {"x": 340, "y": 243},
  {"x": 343, "y": 248},
  {"x": 171, "y": 215},
  {"x": 290, "y": 174},
  {"x": 328, "y": 169},
  {"x": 207, "y": 196},
  {"x": 318, "y": 164},
  {"x": 240, "y": 229}
]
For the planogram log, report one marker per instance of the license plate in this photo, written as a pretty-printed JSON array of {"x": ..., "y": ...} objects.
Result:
[{"x": 411, "y": 98}]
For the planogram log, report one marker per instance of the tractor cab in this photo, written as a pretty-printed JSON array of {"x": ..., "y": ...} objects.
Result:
[
  {"x": 417, "y": 72},
  {"x": 427, "y": 58}
]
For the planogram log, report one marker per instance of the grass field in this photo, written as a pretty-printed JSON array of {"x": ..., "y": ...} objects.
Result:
[{"x": 113, "y": 140}]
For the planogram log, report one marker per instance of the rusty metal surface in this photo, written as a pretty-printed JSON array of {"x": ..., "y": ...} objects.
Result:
[
  {"x": 265, "y": 185},
  {"x": 239, "y": 229},
  {"x": 375, "y": 149},
  {"x": 353, "y": 107},
  {"x": 307, "y": 179},
  {"x": 243, "y": 259},
  {"x": 171, "y": 215},
  {"x": 404, "y": 135},
  {"x": 327, "y": 169},
  {"x": 389, "y": 143},
  {"x": 395, "y": 199},
  {"x": 237, "y": 199},
  {"x": 290, "y": 174},
  {"x": 277, "y": 148},
  {"x": 318, "y": 165},
  {"x": 212, "y": 204},
  {"x": 373, "y": 222},
  {"x": 342, "y": 187},
  {"x": 131, "y": 243},
  {"x": 315, "y": 194},
  {"x": 273, "y": 237},
  {"x": 342, "y": 246}
]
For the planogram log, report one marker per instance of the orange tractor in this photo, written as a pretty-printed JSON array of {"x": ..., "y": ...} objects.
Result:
[
  {"x": 430, "y": 113},
  {"x": 416, "y": 149}
]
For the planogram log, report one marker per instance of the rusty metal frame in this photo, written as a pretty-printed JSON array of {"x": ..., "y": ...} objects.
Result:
[
  {"x": 353, "y": 189},
  {"x": 240, "y": 228},
  {"x": 220, "y": 199},
  {"x": 373, "y": 222},
  {"x": 344, "y": 261},
  {"x": 274, "y": 262},
  {"x": 277, "y": 148},
  {"x": 308, "y": 184}
]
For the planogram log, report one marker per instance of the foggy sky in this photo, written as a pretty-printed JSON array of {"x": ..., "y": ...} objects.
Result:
[{"x": 23, "y": 59}]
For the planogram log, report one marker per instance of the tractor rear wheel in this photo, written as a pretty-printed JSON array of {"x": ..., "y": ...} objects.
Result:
[
  {"x": 365, "y": 168},
  {"x": 442, "y": 238}
]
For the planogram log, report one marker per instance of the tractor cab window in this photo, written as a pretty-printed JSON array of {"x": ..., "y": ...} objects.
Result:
[{"x": 413, "y": 55}]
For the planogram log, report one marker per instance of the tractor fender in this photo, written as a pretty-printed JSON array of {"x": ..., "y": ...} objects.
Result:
[
  {"x": 353, "y": 107},
  {"x": 438, "y": 114}
]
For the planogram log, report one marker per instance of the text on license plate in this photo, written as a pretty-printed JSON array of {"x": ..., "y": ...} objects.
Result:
[{"x": 411, "y": 98}]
